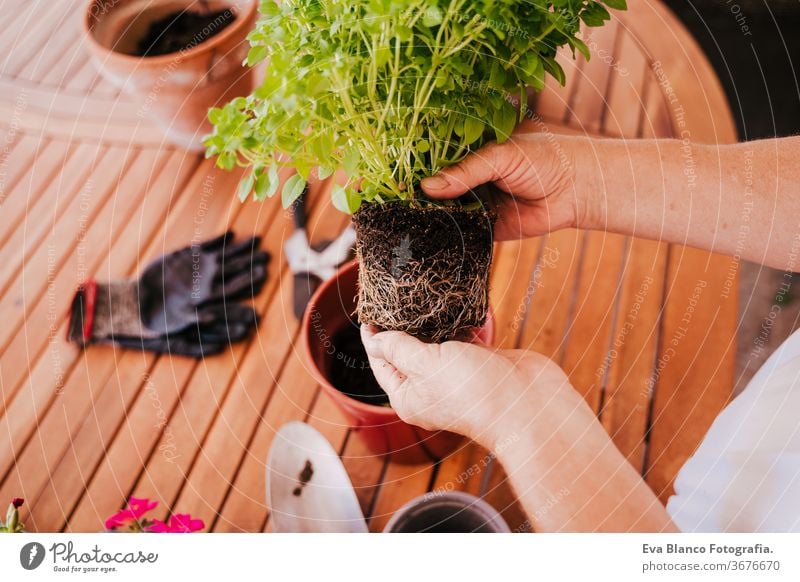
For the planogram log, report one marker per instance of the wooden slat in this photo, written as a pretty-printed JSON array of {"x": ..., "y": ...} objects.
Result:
[
  {"x": 51, "y": 35},
  {"x": 79, "y": 389},
  {"x": 52, "y": 371},
  {"x": 42, "y": 262},
  {"x": 43, "y": 210},
  {"x": 624, "y": 105},
  {"x": 628, "y": 365},
  {"x": 512, "y": 288},
  {"x": 178, "y": 226},
  {"x": 16, "y": 28},
  {"x": 50, "y": 159},
  {"x": 553, "y": 294},
  {"x": 245, "y": 508},
  {"x": 145, "y": 378},
  {"x": 76, "y": 391},
  {"x": 400, "y": 484},
  {"x": 588, "y": 103},
  {"x": 288, "y": 396},
  {"x": 62, "y": 72},
  {"x": 696, "y": 382},
  {"x": 596, "y": 305},
  {"x": 16, "y": 159}
]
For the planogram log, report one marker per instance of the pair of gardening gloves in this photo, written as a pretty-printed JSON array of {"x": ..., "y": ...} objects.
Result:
[{"x": 187, "y": 302}]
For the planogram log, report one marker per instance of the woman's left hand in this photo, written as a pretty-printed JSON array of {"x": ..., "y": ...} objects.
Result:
[{"x": 466, "y": 388}]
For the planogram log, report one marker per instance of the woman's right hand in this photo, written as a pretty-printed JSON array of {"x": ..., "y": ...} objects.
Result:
[{"x": 538, "y": 179}]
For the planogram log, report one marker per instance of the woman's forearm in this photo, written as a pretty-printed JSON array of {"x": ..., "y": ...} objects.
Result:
[
  {"x": 571, "y": 477},
  {"x": 741, "y": 200}
]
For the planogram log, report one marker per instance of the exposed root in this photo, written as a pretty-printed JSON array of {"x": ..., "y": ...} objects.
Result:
[{"x": 437, "y": 291}]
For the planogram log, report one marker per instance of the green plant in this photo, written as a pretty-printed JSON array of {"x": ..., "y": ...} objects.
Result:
[
  {"x": 12, "y": 523},
  {"x": 390, "y": 91}
]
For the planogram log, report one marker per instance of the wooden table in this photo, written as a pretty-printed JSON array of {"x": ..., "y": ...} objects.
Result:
[{"x": 89, "y": 188}]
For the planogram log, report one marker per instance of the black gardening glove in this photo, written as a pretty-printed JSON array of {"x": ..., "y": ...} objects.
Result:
[{"x": 183, "y": 303}]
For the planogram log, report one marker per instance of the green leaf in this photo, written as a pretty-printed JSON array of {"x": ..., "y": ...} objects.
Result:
[
  {"x": 256, "y": 54},
  {"x": 246, "y": 186},
  {"x": 582, "y": 48},
  {"x": 594, "y": 14},
  {"x": 433, "y": 16},
  {"x": 292, "y": 190},
  {"x": 215, "y": 115},
  {"x": 504, "y": 120},
  {"x": 533, "y": 70},
  {"x": 556, "y": 71},
  {"x": 324, "y": 172},
  {"x": 350, "y": 161},
  {"x": 473, "y": 130},
  {"x": 267, "y": 183},
  {"x": 345, "y": 199},
  {"x": 616, "y": 4}
]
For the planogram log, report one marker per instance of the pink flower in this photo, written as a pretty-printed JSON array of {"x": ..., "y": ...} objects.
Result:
[
  {"x": 178, "y": 523},
  {"x": 135, "y": 509}
]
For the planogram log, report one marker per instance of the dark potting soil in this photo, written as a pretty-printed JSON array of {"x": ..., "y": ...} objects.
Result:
[
  {"x": 350, "y": 372},
  {"x": 304, "y": 477},
  {"x": 182, "y": 30},
  {"x": 424, "y": 270}
]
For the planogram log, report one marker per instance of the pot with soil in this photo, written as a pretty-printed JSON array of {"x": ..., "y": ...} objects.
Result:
[
  {"x": 336, "y": 357},
  {"x": 177, "y": 58}
]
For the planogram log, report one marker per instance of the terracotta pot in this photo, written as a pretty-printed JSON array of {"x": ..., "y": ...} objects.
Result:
[
  {"x": 450, "y": 512},
  {"x": 175, "y": 90},
  {"x": 330, "y": 310}
]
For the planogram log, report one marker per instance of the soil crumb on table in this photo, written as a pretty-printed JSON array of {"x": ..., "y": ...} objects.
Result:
[{"x": 304, "y": 478}]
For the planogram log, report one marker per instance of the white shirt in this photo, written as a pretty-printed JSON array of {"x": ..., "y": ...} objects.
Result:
[{"x": 745, "y": 475}]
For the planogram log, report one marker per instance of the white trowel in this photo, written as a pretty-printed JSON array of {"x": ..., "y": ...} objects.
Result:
[{"x": 308, "y": 489}]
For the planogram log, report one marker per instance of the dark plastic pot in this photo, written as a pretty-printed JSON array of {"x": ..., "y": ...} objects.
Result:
[
  {"x": 450, "y": 512},
  {"x": 331, "y": 310}
]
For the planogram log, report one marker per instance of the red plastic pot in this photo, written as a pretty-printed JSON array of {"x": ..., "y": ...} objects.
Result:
[{"x": 329, "y": 311}]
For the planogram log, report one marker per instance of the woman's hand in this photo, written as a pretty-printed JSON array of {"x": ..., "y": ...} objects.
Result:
[
  {"x": 542, "y": 180},
  {"x": 521, "y": 406},
  {"x": 467, "y": 388}
]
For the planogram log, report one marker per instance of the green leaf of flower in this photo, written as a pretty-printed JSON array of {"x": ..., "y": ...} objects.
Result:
[
  {"x": 267, "y": 183},
  {"x": 350, "y": 161},
  {"x": 616, "y": 4},
  {"x": 473, "y": 130},
  {"x": 292, "y": 190},
  {"x": 246, "y": 186},
  {"x": 345, "y": 199},
  {"x": 504, "y": 120}
]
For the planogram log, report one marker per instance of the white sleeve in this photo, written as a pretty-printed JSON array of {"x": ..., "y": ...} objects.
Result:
[{"x": 745, "y": 475}]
